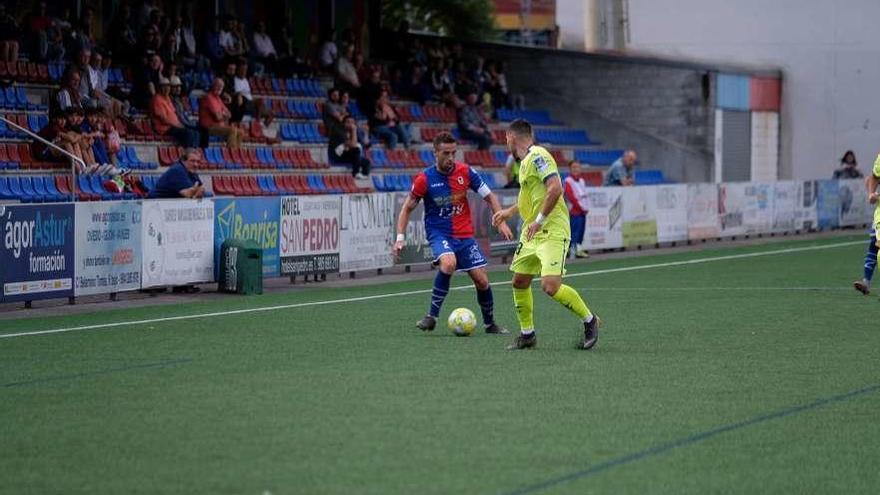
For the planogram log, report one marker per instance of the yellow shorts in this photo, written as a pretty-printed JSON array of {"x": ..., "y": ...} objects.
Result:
[{"x": 545, "y": 257}]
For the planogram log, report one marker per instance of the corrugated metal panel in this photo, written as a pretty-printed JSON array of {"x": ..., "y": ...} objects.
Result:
[
  {"x": 765, "y": 146},
  {"x": 764, "y": 94},
  {"x": 732, "y": 92},
  {"x": 736, "y": 155}
]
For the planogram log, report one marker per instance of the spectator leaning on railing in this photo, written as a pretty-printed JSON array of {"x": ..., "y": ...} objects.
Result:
[
  {"x": 179, "y": 181},
  {"x": 848, "y": 168},
  {"x": 621, "y": 171}
]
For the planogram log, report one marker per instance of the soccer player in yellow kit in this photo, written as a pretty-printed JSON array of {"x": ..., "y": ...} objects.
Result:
[{"x": 543, "y": 244}]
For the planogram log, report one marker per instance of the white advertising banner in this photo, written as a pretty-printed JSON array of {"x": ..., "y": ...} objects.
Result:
[
  {"x": 178, "y": 242},
  {"x": 605, "y": 219},
  {"x": 702, "y": 211},
  {"x": 366, "y": 231},
  {"x": 671, "y": 212},
  {"x": 758, "y": 208},
  {"x": 309, "y": 241},
  {"x": 639, "y": 221},
  {"x": 806, "y": 211},
  {"x": 854, "y": 206},
  {"x": 108, "y": 247},
  {"x": 731, "y": 208},
  {"x": 785, "y": 205}
]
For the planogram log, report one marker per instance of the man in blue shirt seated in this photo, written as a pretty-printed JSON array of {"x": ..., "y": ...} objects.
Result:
[
  {"x": 621, "y": 171},
  {"x": 179, "y": 181}
]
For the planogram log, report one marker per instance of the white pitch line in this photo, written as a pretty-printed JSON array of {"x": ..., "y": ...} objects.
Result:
[
  {"x": 704, "y": 289},
  {"x": 413, "y": 292}
]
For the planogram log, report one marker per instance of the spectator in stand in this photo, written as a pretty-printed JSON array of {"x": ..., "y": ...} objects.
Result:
[
  {"x": 575, "y": 191},
  {"x": 57, "y": 35},
  {"x": 85, "y": 83},
  {"x": 170, "y": 51},
  {"x": 190, "y": 57},
  {"x": 369, "y": 93},
  {"x": 471, "y": 124},
  {"x": 385, "y": 123},
  {"x": 229, "y": 40},
  {"x": 244, "y": 100},
  {"x": 848, "y": 167},
  {"x": 346, "y": 74},
  {"x": 264, "y": 48},
  {"x": 94, "y": 127},
  {"x": 9, "y": 35},
  {"x": 177, "y": 99},
  {"x": 229, "y": 81},
  {"x": 213, "y": 49},
  {"x": 328, "y": 53},
  {"x": 151, "y": 42},
  {"x": 37, "y": 25},
  {"x": 289, "y": 60},
  {"x": 67, "y": 96},
  {"x": 122, "y": 35},
  {"x": 334, "y": 113},
  {"x": 82, "y": 37},
  {"x": 346, "y": 149},
  {"x": 54, "y": 133},
  {"x": 146, "y": 81},
  {"x": 74, "y": 133},
  {"x": 164, "y": 118},
  {"x": 179, "y": 181},
  {"x": 214, "y": 116},
  {"x": 621, "y": 171},
  {"x": 145, "y": 14},
  {"x": 96, "y": 85}
]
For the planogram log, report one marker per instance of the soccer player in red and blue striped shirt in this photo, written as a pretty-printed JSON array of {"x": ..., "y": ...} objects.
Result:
[{"x": 449, "y": 228}]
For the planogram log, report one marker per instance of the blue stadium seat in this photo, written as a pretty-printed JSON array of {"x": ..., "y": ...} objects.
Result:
[
  {"x": 597, "y": 158},
  {"x": 377, "y": 184},
  {"x": 5, "y": 193},
  {"x": 648, "y": 177}
]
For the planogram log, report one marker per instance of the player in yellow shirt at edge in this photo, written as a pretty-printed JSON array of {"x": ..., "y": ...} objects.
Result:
[{"x": 543, "y": 244}]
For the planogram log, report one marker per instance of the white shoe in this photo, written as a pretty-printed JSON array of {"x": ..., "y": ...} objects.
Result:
[{"x": 360, "y": 176}]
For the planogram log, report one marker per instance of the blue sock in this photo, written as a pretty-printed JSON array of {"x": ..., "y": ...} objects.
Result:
[
  {"x": 438, "y": 294},
  {"x": 871, "y": 258},
  {"x": 487, "y": 302}
]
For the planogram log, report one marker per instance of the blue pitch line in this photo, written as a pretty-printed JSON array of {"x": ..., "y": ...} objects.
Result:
[
  {"x": 690, "y": 440},
  {"x": 160, "y": 364}
]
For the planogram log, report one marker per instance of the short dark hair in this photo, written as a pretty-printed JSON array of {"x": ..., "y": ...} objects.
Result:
[
  {"x": 443, "y": 138},
  {"x": 521, "y": 127}
]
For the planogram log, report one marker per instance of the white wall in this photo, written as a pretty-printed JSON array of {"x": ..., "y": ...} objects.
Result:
[{"x": 828, "y": 50}]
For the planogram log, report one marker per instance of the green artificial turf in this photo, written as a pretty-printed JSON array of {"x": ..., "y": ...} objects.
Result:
[{"x": 705, "y": 380}]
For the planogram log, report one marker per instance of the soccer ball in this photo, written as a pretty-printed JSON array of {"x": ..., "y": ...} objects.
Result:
[{"x": 462, "y": 322}]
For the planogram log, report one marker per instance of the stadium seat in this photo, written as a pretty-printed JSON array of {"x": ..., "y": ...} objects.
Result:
[{"x": 648, "y": 177}]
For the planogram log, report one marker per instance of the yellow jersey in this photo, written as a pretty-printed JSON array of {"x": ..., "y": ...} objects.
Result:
[{"x": 534, "y": 170}]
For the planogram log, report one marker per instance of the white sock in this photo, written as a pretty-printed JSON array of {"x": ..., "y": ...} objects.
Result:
[
  {"x": 589, "y": 318},
  {"x": 527, "y": 332}
]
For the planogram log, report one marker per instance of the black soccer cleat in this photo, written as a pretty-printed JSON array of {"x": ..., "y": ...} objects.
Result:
[
  {"x": 591, "y": 334},
  {"x": 427, "y": 323},
  {"x": 496, "y": 329},
  {"x": 862, "y": 286},
  {"x": 523, "y": 342}
]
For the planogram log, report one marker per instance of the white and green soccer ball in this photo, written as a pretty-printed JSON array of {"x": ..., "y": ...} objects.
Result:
[{"x": 462, "y": 322}]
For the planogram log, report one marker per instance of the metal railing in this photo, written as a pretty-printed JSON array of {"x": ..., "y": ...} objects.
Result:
[{"x": 74, "y": 159}]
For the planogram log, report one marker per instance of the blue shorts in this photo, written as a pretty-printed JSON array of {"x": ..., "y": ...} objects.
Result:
[{"x": 467, "y": 253}]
